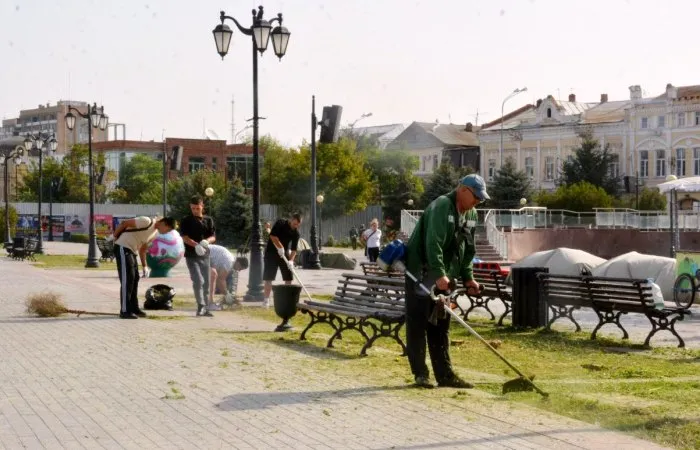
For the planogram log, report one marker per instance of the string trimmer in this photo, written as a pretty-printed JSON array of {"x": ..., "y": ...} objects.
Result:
[{"x": 392, "y": 258}]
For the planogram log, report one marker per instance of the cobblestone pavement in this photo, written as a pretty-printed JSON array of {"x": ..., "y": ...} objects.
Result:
[{"x": 101, "y": 382}]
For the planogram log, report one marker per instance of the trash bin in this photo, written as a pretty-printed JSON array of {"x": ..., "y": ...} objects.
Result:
[
  {"x": 529, "y": 310},
  {"x": 305, "y": 259}
]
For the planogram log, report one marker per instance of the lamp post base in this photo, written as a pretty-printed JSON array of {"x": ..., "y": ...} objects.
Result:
[
  {"x": 92, "y": 264},
  {"x": 314, "y": 261}
]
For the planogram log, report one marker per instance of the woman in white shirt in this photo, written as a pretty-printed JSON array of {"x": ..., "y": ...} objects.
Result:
[{"x": 372, "y": 236}]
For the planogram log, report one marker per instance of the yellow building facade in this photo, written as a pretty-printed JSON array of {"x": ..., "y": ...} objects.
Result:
[{"x": 651, "y": 137}]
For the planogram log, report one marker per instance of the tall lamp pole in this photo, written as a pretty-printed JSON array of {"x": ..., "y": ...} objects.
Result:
[
  {"x": 96, "y": 118},
  {"x": 503, "y": 105},
  {"x": 40, "y": 143},
  {"x": 314, "y": 260},
  {"x": 319, "y": 200},
  {"x": 261, "y": 31},
  {"x": 11, "y": 149},
  {"x": 55, "y": 186}
]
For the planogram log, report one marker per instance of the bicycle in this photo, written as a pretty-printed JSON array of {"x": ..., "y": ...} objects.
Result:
[{"x": 684, "y": 289}]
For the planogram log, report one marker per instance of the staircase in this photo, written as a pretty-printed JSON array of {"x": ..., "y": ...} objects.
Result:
[{"x": 484, "y": 250}]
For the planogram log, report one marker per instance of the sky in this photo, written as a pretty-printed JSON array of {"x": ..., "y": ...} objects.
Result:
[{"x": 153, "y": 63}]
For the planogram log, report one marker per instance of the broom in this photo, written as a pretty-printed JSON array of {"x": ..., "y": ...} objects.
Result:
[{"x": 50, "y": 304}]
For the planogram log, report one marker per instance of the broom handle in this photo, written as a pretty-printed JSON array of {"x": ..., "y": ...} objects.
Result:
[
  {"x": 75, "y": 311},
  {"x": 474, "y": 333}
]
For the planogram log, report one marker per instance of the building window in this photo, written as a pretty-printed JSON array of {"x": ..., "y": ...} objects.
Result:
[
  {"x": 615, "y": 166},
  {"x": 644, "y": 163},
  {"x": 697, "y": 117},
  {"x": 645, "y": 122},
  {"x": 435, "y": 162},
  {"x": 661, "y": 163},
  {"x": 492, "y": 169},
  {"x": 549, "y": 113},
  {"x": 196, "y": 163},
  {"x": 696, "y": 161},
  {"x": 422, "y": 164},
  {"x": 680, "y": 162},
  {"x": 213, "y": 164},
  {"x": 661, "y": 122},
  {"x": 241, "y": 167},
  {"x": 680, "y": 120},
  {"x": 530, "y": 167},
  {"x": 549, "y": 168}
]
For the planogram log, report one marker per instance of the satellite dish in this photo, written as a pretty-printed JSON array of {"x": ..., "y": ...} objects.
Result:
[{"x": 211, "y": 134}]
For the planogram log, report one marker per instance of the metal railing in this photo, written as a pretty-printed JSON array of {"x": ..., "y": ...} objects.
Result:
[
  {"x": 409, "y": 219},
  {"x": 496, "y": 238}
]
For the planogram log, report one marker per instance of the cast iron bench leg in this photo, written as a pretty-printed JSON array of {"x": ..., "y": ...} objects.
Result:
[
  {"x": 609, "y": 317},
  {"x": 508, "y": 310},
  {"x": 479, "y": 302},
  {"x": 317, "y": 317},
  {"x": 662, "y": 323},
  {"x": 385, "y": 329},
  {"x": 350, "y": 323},
  {"x": 563, "y": 311}
]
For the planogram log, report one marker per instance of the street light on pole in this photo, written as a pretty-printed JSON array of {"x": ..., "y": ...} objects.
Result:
[
  {"x": 55, "y": 186},
  {"x": 96, "y": 118},
  {"x": 261, "y": 31},
  {"x": 11, "y": 149},
  {"x": 369, "y": 114},
  {"x": 511, "y": 95},
  {"x": 40, "y": 143}
]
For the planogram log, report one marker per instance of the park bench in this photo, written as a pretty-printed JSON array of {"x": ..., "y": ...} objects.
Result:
[
  {"x": 610, "y": 298},
  {"x": 371, "y": 305},
  {"x": 106, "y": 249},
  {"x": 493, "y": 288},
  {"x": 372, "y": 269}
]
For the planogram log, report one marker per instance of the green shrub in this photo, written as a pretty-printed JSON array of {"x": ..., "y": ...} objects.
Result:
[
  {"x": 330, "y": 242},
  {"x": 580, "y": 197},
  {"x": 79, "y": 238}
]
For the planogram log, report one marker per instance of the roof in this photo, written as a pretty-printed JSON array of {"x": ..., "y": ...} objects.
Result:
[
  {"x": 450, "y": 134},
  {"x": 382, "y": 133},
  {"x": 607, "y": 112},
  {"x": 573, "y": 108},
  {"x": 511, "y": 115}
]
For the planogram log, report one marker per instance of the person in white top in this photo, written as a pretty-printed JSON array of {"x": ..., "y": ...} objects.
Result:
[
  {"x": 372, "y": 237},
  {"x": 132, "y": 238}
]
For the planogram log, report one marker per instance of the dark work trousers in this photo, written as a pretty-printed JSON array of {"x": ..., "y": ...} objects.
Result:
[
  {"x": 128, "y": 269},
  {"x": 373, "y": 254},
  {"x": 418, "y": 310}
]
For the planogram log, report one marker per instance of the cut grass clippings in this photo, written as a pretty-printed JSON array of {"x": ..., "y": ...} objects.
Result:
[
  {"x": 653, "y": 394},
  {"x": 68, "y": 262}
]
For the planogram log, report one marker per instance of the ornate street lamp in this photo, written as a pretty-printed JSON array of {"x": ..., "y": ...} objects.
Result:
[
  {"x": 40, "y": 143},
  {"x": 11, "y": 149},
  {"x": 503, "y": 105},
  {"x": 96, "y": 118},
  {"x": 261, "y": 31}
]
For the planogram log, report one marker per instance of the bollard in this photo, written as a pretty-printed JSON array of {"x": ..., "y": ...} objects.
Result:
[{"x": 529, "y": 310}]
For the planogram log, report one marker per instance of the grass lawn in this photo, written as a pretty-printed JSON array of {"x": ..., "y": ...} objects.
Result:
[
  {"x": 68, "y": 262},
  {"x": 651, "y": 393}
]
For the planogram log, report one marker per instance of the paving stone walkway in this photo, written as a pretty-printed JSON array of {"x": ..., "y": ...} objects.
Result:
[{"x": 101, "y": 382}]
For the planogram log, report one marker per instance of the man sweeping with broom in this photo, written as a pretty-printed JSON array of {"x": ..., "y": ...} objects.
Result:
[
  {"x": 441, "y": 247},
  {"x": 132, "y": 237}
]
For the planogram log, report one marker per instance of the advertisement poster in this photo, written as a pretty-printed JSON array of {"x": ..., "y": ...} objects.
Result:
[
  {"x": 103, "y": 225},
  {"x": 76, "y": 224},
  {"x": 687, "y": 262},
  {"x": 116, "y": 220},
  {"x": 58, "y": 225},
  {"x": 27, "y": 224}
]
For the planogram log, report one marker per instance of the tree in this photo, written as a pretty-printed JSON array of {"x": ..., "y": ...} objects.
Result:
[
  {"x": 140, "y": 181},
  {"x": 13, "y": 221},
  {"x": 393, "y": 173},
  {"x": 73, "y": 168},
  {"x": 342, "y": 178},
  {"x": 649, "y": 200},
  {"x": 234, "y": 216},
  {"x": 182, "y": 189},
  {"x": 443, "y": 180},
  {"x": 580, "y": 197},
  {"x": 591, "y": 164},
  {"x": 509, "y": 185}
]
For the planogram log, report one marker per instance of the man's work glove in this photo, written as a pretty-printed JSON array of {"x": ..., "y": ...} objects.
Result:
[
  {"x": 146, "y": 272},
  {"x": 199, "y": 250},
  {"x": 281, "y": 252},
  {"x": 204, "y": 243}
]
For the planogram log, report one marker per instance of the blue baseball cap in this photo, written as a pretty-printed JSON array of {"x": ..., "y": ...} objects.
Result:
[{"x": 477, "y": 185}]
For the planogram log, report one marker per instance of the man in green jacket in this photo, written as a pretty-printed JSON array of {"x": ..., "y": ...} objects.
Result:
[{"x": 441, "y": 248}]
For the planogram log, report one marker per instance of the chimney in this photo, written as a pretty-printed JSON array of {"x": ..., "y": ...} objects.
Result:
[
  {"x": 635, "y": 92},
  {"x": 572, "y": 97},
  {"x": 468, "y": 128},
  {"x": 539, "y": 102},
  {"x": 671, "y": 91},
  {"x": 603, "y": 98}
]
